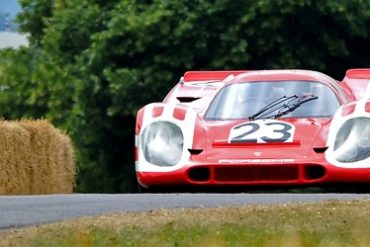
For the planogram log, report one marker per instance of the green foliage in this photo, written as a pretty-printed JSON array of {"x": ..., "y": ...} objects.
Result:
[
  {"x": 92, "y": 64},
  {"x": 34, "y": 86},
  {"x": 34, "y": 17},
  {"x": 20, "y": 94}
]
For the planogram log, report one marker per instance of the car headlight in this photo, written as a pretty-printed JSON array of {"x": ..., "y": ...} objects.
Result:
[
  {"x": 352, "y": 142},
  {"x": 162, "y": 143}
]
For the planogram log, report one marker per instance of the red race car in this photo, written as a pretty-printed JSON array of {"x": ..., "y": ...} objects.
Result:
[{"x": 266, "y": 127}]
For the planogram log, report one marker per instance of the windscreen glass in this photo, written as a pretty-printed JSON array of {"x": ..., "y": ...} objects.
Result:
[{"x": 242, "y": 100}]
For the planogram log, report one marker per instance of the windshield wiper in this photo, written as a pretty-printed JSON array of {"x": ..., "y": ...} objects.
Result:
[
  {"x": 269, "y": 106},
  {"x": 290, "y": 108}
]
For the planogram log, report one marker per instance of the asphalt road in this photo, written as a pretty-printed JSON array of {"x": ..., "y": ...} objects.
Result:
[{"x": 16, "y": 211}]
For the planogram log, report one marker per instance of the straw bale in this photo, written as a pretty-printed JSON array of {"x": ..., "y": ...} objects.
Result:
[
  {"x": 35, "y": 158},
  {"x": 14, "y": 155}
]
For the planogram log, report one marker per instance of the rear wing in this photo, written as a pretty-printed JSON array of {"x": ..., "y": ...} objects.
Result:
[
  {"x": 358, "y": 81},
  {"x": 193, "y": 76},
  {"x": 358, "y": 73}
]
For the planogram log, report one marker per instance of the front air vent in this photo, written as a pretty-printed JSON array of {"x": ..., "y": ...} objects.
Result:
[
  {"x": 320, "y": 150},
  {"x": 312, "y": 172},
  {"x": 187, "y": 99},
  {"x": 256, "y": 173},
  {"x": 200, "y": 174},
  {"x": 195, "y": 151}
]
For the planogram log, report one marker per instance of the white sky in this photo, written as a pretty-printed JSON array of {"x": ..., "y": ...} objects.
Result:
[{"x": 12, "y": 39}]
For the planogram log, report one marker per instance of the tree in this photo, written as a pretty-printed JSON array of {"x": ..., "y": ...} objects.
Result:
[{"x": 20, "y": 95}]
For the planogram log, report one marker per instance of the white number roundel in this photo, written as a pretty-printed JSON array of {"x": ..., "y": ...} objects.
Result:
[{"x": 262, "y": 131}]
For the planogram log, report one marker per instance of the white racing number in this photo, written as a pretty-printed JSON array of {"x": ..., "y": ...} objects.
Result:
[{"x": 262, "y": 131}]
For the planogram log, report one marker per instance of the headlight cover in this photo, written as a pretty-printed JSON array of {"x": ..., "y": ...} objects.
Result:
[
  {"x": 162, "y": 143},
  {"x": 352, "y": 142}
]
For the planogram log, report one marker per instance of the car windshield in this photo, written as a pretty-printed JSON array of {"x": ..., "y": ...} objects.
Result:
[{"x": 242, "y": 100}]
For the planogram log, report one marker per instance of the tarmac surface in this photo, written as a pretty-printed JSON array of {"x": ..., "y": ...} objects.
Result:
[{"x": 17, "y": 211}]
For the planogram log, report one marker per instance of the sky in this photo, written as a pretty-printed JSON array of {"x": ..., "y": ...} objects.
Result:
[
  {"x": 12, "y": 40},
  {"x": 8, "y": 8},
  {"x": 8, "y": 35}
]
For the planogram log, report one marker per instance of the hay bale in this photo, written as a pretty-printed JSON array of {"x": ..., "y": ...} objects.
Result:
[
  {"x": 38, "y": 158},
  {"x": 14, "y": 156}
]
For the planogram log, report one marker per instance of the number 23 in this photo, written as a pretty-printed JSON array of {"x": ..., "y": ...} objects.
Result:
[{"x": 252, "y": 132}]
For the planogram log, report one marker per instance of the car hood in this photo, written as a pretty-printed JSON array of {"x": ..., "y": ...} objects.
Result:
[{"x": 308, "y": 141}]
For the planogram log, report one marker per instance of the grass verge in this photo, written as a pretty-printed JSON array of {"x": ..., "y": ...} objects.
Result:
[{"x": 331, "y": 223}]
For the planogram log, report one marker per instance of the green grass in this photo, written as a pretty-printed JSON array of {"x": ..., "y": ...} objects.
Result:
[{"x": 331, "y": 223}]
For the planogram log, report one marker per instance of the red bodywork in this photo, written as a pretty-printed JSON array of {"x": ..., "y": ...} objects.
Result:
[{"x": 215, "y": 161}]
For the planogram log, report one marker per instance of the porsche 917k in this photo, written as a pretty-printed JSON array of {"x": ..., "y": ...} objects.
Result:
[{"x": 268, "y": 127}]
